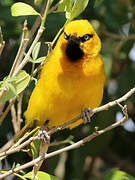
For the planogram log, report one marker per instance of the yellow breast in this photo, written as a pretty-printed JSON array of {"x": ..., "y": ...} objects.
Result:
[{"x": 65, "y": 89}]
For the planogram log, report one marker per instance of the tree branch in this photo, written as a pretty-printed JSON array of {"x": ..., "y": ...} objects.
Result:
[
  {"x": 2, "y": 42},
  {"x": 17, "y": 147},
  {"x": 70, "y": 147}
]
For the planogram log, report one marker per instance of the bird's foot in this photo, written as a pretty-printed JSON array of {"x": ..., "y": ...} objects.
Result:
[
  {"x": 43, "y": 135},
  {"x": 86, "y": 115}
]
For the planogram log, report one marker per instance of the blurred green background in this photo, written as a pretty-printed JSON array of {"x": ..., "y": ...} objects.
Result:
[{"x": 113, "y": 20}]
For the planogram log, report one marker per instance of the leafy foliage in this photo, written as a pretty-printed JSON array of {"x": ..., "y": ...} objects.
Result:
[
  {"x": 14, "y": 85},
  {"x": 115, "y": 24}
]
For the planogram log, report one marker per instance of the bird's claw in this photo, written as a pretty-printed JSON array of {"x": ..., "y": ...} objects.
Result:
[
  {"x": 43, "y": 135},
  {"x": 86, "y": 115}
]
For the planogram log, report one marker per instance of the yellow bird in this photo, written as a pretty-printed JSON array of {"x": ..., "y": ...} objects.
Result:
[{"x": 72, "y": 79}]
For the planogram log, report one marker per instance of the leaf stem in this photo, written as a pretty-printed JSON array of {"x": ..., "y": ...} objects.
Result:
[
  {"x": 57, "y": 35},
  {"x": 32, "y": 70}
]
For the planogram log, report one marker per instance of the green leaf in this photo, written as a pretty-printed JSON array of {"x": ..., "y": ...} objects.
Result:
[
  {"x": 16, "y": 87},
  {"x": 35, "y": 51},
  {"x": 97, "y": 3},
  {"x": 35, "y": 149},
  {"x": 5, "y": 82},
  {"x": 23, "y": 9},
  {"x": 41, "y": 176},
  {"x": 118, "y": 175},
  {"x": 11, "y": 79},
  {"x": 78, "y": 7},
  {"x": 39, "y": 60},
  {"x": 65, "y": 6},
  {"x": 12, "y": 88}
]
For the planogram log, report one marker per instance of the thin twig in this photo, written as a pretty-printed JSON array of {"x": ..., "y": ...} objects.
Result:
[
  {"x": 14, "y": 118},
  {"x": 7, "y": 145},
  {"x": 18, "y": 58},
  {"x": 20, "y": 52},
  {"x": 53, "y": 8},
  {"x": 2, "y": 92},
  {"x": 26, "y": 58},
  {"x": 17, "y": 147},
  {"x": 7, "y": 110},
  {"x": 19, "y": 111}
]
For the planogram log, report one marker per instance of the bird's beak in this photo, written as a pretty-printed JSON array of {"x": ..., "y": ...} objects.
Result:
[{"x": 73, "y": 49}]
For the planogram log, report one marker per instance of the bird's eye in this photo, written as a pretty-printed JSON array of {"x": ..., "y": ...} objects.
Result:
[
  {"x": 86, "y": 37},
  {"x": 66, "y": 36}
]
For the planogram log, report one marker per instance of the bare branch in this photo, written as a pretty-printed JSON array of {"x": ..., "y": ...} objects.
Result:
[
  {"x": 113, "y": 103},
  {"x": 21, "y": 51},
  {"x": 17, "y": 148},
  {"x": 14, "y": 118},
  {"x": 19, "y": 111}
]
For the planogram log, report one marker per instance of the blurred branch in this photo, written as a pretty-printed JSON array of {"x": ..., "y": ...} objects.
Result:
[
  {"x": 7, "y": 110},
  {"x": 118, "y": 36},
  {"x": 14, "y": 118},
  {"x": 19, "y": 111},
  {"x": 2, "y": 42},
  {"x": 36, "y": 24},
  {"x": 70, "y": 147},
  {"x": 122, "y": 39},
  {"x": 52, "y": 9},
  {"x": 123, "y": 164},
  {"x": 7, "y": 145}
]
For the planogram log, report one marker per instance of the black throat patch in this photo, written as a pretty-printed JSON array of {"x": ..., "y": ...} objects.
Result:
[{"x": 74, "y": 51}]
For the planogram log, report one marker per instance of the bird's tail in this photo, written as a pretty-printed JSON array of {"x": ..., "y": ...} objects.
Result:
[{"x": 23, "y": 130}]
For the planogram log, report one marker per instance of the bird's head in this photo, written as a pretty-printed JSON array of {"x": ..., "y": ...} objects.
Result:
[{"x": 79, "y": 40}]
